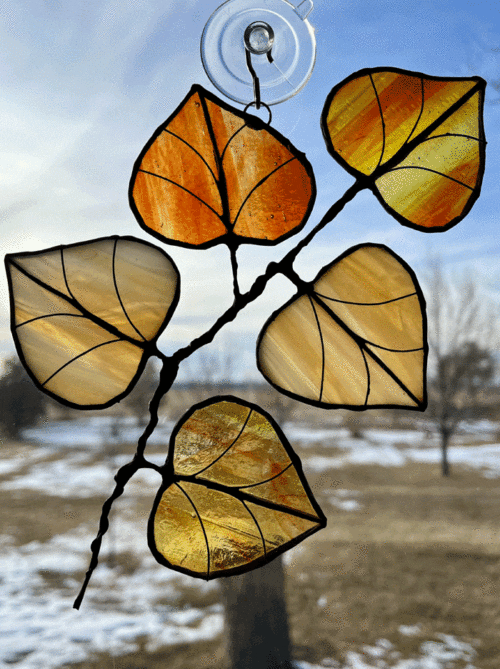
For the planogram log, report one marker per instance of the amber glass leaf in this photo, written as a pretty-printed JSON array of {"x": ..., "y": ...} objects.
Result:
[
  {"x": 234, "y": 496},
  {"x": 418, "y": 142},
  {"x": 212, "y": 174},
  {"x": 355, "y": 338},
  {"x": 84, "y": 317}
]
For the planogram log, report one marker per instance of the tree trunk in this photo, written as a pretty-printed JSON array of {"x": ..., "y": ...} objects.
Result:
[
  {"x": 256, "y": 619},
  {"x": 445, "y": 465}
]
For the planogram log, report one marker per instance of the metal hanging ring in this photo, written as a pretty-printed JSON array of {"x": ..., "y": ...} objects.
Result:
[{"x": 262, "y": 104}]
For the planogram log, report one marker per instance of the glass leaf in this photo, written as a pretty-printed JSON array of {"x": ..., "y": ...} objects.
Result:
[
  {"x": 211, "y": 174},
  {"x": 83, "y": 316},
  {"x": 235, "y": 497},
  {"x": 355, "y": 339},
  {"x": 418, "y": 140}
]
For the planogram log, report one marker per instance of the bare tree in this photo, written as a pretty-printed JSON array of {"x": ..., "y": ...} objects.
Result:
[{"x": 462, "y": 339}]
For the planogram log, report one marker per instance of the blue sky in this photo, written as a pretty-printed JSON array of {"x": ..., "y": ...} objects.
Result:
[{"x": 86, "y": 82}]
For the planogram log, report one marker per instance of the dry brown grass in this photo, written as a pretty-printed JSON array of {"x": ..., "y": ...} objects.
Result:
[{"x": 421, "y": 550}]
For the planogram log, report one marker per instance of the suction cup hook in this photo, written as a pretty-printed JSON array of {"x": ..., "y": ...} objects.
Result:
[{"x": 259, "y": 51}]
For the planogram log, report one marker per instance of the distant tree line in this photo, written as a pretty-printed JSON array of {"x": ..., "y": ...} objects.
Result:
[{"x": 22, "y": 405}]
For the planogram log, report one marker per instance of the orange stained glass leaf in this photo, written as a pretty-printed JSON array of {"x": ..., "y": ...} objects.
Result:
[
  {"x": 85, "y": 317},
  {"x": 354, "y": 338},
  {"x": 418, "y": 142},
  {"x": 234, "y": 495},
  {"x": 212, "y": 174}
]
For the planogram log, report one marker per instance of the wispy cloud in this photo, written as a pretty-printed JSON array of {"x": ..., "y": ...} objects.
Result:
[{"x": 85, "y": 83}]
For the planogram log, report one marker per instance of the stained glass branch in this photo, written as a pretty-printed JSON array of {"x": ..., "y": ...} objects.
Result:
[
  {"x": 284, "y": 266},
  {"x": 168, "y": 374},
  {"x": 122, "y": 477},
  {"x": 170, "y": 364},
  {"x": 234, "y": 266}
]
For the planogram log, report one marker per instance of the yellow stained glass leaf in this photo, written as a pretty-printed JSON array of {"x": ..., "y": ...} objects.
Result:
[
  {"x": 211, "y": 174},
  {"x": 355, "y": 339},
  {"x": 417, "y": 141},
  {"x": 234, "y": 495},
  {"x": 85, "y": 317}
]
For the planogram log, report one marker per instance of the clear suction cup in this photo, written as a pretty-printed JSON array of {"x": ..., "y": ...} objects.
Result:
[{"x": 277, "y": 36}]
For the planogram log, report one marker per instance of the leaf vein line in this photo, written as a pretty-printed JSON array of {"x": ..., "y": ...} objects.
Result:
[
  {"x": 158, "y": 176},
  {"x": 422, "y": 102},
  {"x": 115, "y": 282},
  {"x": 77, "y": 357},
  {"x": 382, "y": 120},
  {"x": 194, "y": 150},
  {"x": 239, "y": 495},
  {"x": 258, "y": 527},
  {"x": 368, "y": 377},
  {"x": 65, "y": 275},
  {"x": 258, "y": 185},
  {"x": 201, "y": 524},
  {"x": 427, "y": 169},
  {"x": 363, "y": 344},
  {"x": 394, "y": 350},
  {"x": 39, "y": 318},
  {"x": 230, "y": 140},
  {"x": 76, "y": 304},
  {"x": 223, "y": 194},
  {"x": 365, "y": 304},
  {"x": 452, "y": 134},
  {"x": 393, "y": 376},
  {"x": 411, "y": 144},
  {"x": 323, "y": 361},
  {"x": 245, "y": 423},
  {"x": 276, "y": 476}
]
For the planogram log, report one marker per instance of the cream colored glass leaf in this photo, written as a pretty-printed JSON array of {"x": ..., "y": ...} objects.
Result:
[
  {"x": 83, "y": 316},
  {"x": 357, "y": 339}
]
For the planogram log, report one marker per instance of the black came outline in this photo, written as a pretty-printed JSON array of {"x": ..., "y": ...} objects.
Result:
[
  {"x": 147, "y": 346},
  {"x": 307, "y": 289},
  {"x": 411, "y": 143},
  {"x": 170, "y": 478},
  {"x": 229, "y": 238}
]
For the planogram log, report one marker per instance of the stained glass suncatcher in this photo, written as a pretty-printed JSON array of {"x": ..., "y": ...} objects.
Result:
[{"x": 87, "y": 317}]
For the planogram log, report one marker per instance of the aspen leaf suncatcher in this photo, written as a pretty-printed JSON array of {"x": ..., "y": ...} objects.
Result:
[
  {"x": 84, "y": 316},
  {"x": 418, "y": 141},
  {"x": 212, "y": 174},
  {"x": 234, "y": 495},
  {"x": 355, "y": 338}
]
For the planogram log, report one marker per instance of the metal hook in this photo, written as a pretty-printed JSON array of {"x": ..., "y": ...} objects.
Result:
[
  {"x": 258, "y": 40},
  {"x": 256, "y": 82}
]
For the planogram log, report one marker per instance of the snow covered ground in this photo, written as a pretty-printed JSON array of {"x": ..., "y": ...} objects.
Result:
[
  {"x": 441, "y": 653},
  {"x": 389, "y": 448},
  {"x": 40, "y": 629}
]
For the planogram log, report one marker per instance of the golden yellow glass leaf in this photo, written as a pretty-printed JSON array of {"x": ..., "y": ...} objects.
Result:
[
  {"x": 236, "y": 496},
  {"x": 83, "y": 316},
  {"x": 212, "y": 172},
  {"x": 419, "y": 140},
  {"x": 356, "y": 339}
]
